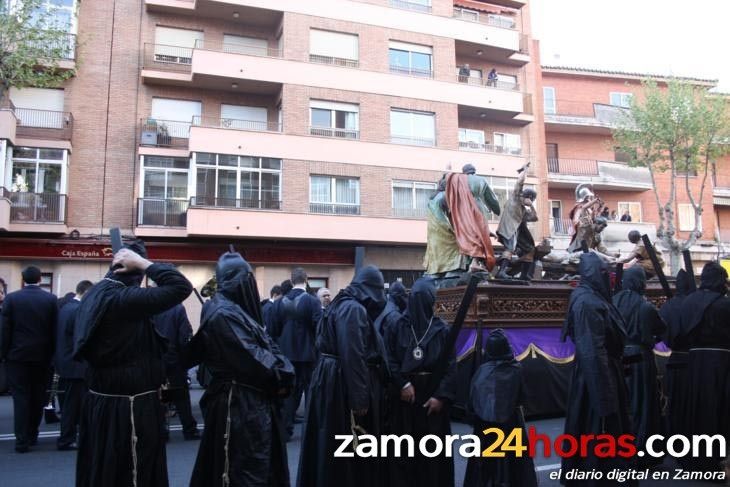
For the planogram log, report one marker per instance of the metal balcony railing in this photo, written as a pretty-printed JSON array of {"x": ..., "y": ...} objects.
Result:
[
  {"x": 233, "y": 47},
  {"x": 246, "y": 204},
  {"x": 28, "y": 207},
  {"x": 560, "y": 226},
  {"x": 573, "y": 167},
  {"x": 334, "y": 61},
  {"x": 62, "y": 47},
  {"x": 417, "y": 6},
  {"x": 162, "y": 212},
  {"x": 409, "y": 71},
  {"x": 44, "y": 124},
  {"x": 407, "y": 140},
  {"x": 478, "y": 81},
  {"x": 335, "y": 132},
  {"x": 334, "y": 208},
  {"x": 164, "y": 133},
  {"x": 237, "y": 124},
  {"x": 484, "y": 18},
  {"x": 167, "y": 58},
  {"x": 481, "y": 147},
  {"x": 410, "y": 212}
]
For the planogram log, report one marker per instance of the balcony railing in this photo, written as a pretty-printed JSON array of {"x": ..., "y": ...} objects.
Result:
[
  {"x": 493, "y": 83},
  {"x": 334, "y": 61},
  {"x": 407, "y": 140},
  {"x": 484, "y": 18},
  {"x": 335, "y": 132},
  {"x": 417, "y": 6},
  {"x": 162, "y": 212},
  {"x": 44, "y": 124},
  {"x": 63, "y": 47},
  {"x": 481, "y": 147},
  {"x": 560, "y": 226},
  {"x": 237, "y": 124},
  {"x": 36, "y": 207},
  {"x": 167, "y": 58},
  {"x": 410, "y": 212},
  {"x": 233, "y": 47},
  {"x": 407, "y": 70},
  {"x": 573, "y": 167},
  {"x": 334, "y": 208},
  {"x": 164, "y": 133},
  {"x": 246, "y": 204}
]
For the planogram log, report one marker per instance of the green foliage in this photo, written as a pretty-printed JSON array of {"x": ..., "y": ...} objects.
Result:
[{"x": 32, "y": 42}]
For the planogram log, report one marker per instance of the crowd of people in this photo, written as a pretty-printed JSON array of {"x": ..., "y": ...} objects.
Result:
[{"x": 365, "y": 362}]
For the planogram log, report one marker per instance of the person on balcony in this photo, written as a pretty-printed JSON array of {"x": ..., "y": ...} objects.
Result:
[
  {"x": 464, "y": 73},
  {"x": 626, "y": 217},
  {"x": 492, "y": 77}
]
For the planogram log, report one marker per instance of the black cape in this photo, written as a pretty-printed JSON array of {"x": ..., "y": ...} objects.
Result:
[
  {"x": 643, "y": 327},
  {"x": 676, "y": 380},
  {"x": 350, "y": 375},
  {"x": 394, "y": 309},
  {"x": 247, "y": 373},
  {"x": 116, "y": 337},
  {"x": 412, "y": 419},
  {"x": 598, "y": 400},
  {"x": 497, "y": 391}
]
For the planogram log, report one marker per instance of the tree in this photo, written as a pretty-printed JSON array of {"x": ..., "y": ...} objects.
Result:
[
  {"x": 32, "y": 41},
  {"x": 681, "y": 129}
]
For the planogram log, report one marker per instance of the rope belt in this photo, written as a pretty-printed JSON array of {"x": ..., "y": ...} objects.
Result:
[
  {"x": 131, "y": 419},
  {"x": 226, "y": 463}
]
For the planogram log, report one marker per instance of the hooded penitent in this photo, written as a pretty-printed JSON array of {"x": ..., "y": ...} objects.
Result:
[
  {"x": 396, "y": 305},
  {"x": 235, "y": 280},
  {"x": 713, "y": 286}
]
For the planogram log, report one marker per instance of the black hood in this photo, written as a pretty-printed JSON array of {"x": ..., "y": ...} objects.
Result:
[
  {"x": 634, "y": 280},
  {"x": 714, "y": 278},
  {"x": 368, "y": 288},
  {"x": 497, "y": 347},
  {"x": 420, "y": 304},
  {"x": 130, "y": 278},
  {"x": 398, "y": 295},
  {"x": 594, "y": 274},
  {"x": 235, "y": 280},
  {"x": 684, "y": 286}
]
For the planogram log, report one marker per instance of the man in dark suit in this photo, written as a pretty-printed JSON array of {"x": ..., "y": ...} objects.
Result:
[
  {"x": 296, "y": 318},
  {"x": 28, "y": 340},
  {"x": 72, "y": 373}
]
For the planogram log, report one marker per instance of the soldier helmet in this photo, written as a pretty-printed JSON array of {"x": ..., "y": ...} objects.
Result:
[{"x": 583, "y": 191}]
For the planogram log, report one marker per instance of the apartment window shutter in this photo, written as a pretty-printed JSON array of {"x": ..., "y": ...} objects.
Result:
[
  {"x": 176, "y": 43},
  {"x": 245, "y": 45},
  {"x": 251, "y": 114},
  {"x": 404, "y": 46},
  {"x": 333, "y": 44},
  {"x": 38, "y": 98},
  {"x": 175, "y": 115}
]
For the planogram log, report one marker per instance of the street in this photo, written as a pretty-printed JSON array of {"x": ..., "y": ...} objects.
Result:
[{"x": 44, "y": 465}]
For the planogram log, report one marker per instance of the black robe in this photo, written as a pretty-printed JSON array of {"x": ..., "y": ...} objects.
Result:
[
  {"x": 394, "y": 308},
  {"x": 497, "y": 392},
  {"x": 246, "y": 371},
  {"x": 598, "y": 400},
  {"x": 676, "y": 381},
  {"x": 350, "y": 375},
  {"x": 116, "y": 336},
  {"x": 412, "y": 419},
  {"x": 708, "y": 367},
  {"x": 643, "y": 327}
]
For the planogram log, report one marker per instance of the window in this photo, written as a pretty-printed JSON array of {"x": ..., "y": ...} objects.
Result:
[
  {"x": 335, "y": 195},
  {"x": 474, "y": 76},
  {"x": 410, "y": 59},
  {"x": 317, "y": 283},
  {"x": 244, "y": 118},
  {"x": 507, "y": 143},
  {"x": 174, "y": 117},
  {"x": 502, "y": 188},
  {"x": 60, "y": 15},
  {"x": 38, "y": 181},
  {"x": 501, "y": 21},
  {"x": 507, "y": 81},
  {"x": 415, "y": 128},
  {"x": 164, "y": 191},
  {"x": 245, "y": 45},
  {"x": 39, "y": 107},
  {"x": 470, "y": 139},
  {"x": 549, "y": 102},
  {"x": 621, "y": 99},
  {"x": 686, "y": 217},
  {"x": 467, "y": 14},
  {"x": 331, "y": 119},
  {"x": 176, "y": 45},
  {"x": 410, "y": 198},
  {"x": 333, "y": 48},
  {"x": 417, "y": 5},
  {"x": 237, "y": 181},
  {"x": 633, "y": 207}
]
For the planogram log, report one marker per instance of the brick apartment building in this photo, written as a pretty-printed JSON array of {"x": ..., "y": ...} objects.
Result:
[
  {"x": 580, "y": 108},
  {"x": 304, "y": 132}
]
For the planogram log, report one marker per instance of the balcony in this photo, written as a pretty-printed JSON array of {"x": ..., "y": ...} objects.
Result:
[
  {"x": 415, "y": 6},
  {"x": 480, "y": 147},
  {"x": 164, "y": 133},
  {"x": 484, "y": 18},
  {"x": 32, "y": 212},
  {"x": 560, "y": 227},
  {"x": 161, "y": 212},
  {"x": 350, "y": 134},
  {"x": 214, "y": 67},
  {"x": 233, "y": 203},
  {"x": 334, "y": 208},
  {"x": 42, "y": 124},
  {"x": 408, "y": 153},
  {"x": 572, "y": 117},
  {"x": 567, "y": 173},
  {"x": 238, "y": 124},
  {"x": 402, "y": 212}
]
